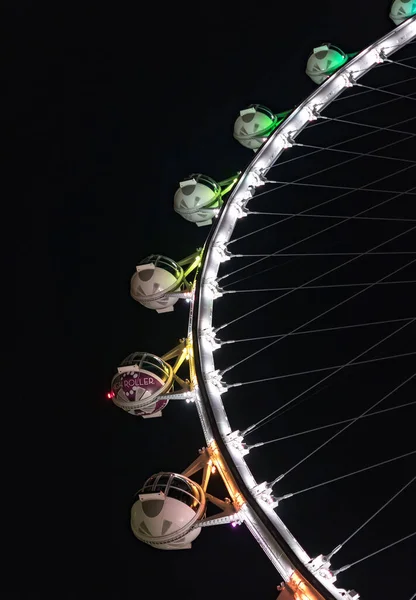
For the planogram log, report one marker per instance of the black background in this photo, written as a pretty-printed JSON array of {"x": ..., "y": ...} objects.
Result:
[{"x": 114, "y": 106}]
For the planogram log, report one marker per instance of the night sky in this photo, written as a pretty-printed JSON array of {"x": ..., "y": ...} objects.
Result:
[{"x": 135, "y": 103}]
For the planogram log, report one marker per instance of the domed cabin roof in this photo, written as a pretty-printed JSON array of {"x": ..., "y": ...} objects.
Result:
[
  {"x": 195, "y": 192},
  {"x": 146, "y": 361},
  {"x": 402, "y": 10},
  {"x": 196, "y": 199},
  {"x": 155, "y": 277},
  {"x": 324, "y": 61},
  {"x": 166, "y": 511},
  {"x": 175, "y": 486},
  {"x": 142, "y": 377},
  {"x": 254, "y": 124}
]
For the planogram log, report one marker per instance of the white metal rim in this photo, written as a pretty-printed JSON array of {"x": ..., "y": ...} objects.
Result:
[{"x": 266, "y": 156}]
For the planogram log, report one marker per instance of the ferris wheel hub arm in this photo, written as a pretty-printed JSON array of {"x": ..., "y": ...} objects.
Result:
[
  {"x": 220, "y": 520},
  {"x": 183, "y": 294},
  {"x": 188, "y": 395}
]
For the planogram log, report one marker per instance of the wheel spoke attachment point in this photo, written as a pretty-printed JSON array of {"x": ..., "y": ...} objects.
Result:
[
  {"x": 214, "y": 378},
  {"x": 221, "y": 249},
  {"x": 264, "y": 492},
  {"x": 213, "y": 288},
  {"x": 208, "y": 335},
  {"x": 235, "y": 440}
]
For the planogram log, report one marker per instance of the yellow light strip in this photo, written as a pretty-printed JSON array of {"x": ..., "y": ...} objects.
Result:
[{"x": 191, "y": 362}]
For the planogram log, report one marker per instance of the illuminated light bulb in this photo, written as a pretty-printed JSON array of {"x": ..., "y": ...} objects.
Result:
[{"x": 214, "y": 469}]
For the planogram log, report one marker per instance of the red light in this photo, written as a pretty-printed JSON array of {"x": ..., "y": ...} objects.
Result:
[{"x": 110, "y": 395}]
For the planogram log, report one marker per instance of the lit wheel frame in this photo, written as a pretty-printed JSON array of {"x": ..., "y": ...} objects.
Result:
[{"x": 286, "y": 554}]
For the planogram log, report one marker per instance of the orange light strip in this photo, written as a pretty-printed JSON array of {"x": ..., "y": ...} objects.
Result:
[
  {"x": 297, "y": 587},
  {"x": 237, "y": 498},
  {"x": 302, "y": 589}
]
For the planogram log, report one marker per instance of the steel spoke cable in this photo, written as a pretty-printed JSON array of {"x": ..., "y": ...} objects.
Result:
[
  {"x": 352, "y": 152},
  {"x": 345, "y": 476},
  {"x": 345, "y": 97},
  {"x": 322, "y": 330},
  {"x": 314, "y": 318},
  {"x": 321, "y": 216},
  {"x": 376, "y": 157},
  {"x": 299, "y": 254},
  {"x": 400, "y": 49},
  {"x": 297, "y": 257},
  {"x": 375, "y": 127},
  {"x": 318, "y": 173},
  {"x": 317, "y": 287},
  {"x": 313, "y": 235},
  {"x": 321, "y": 427},
  {"x": 340, "y": 187},
  {"x": 309, "y": 237},
  {"x": 332, "y": 146},
  {"x": 294, "y": 405},
  {"x": 406, "y": 537},
  {"x": 339, "y": 164},
  {"x": 353, "y": 139},
  {"x": 322, "y": 275},
  {"x": 402, "y": 64},
  {"x": 303, "y": 397},
  {"x": 349, "y": 160},
  {"x": 380, "y": 65},
  {"x": 275, "y": 341},
  {"x": 280, "y": 477},
  {"x": 321, "y": 120},
  {"x": 331, "y": 554},
  {"x": 413, "y": 597},
  {"x": 258, "y": 423},
  {"x": 321, "y": 369},
  {"x": 284, "y": 263},
  {"x": 373, "y": 89}
]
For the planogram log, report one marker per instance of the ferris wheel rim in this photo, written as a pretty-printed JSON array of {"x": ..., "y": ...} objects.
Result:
[{"x": 211, "y": 410}]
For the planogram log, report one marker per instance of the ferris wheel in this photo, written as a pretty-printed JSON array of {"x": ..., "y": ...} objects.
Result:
[{"x": 302, "y": 297}]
